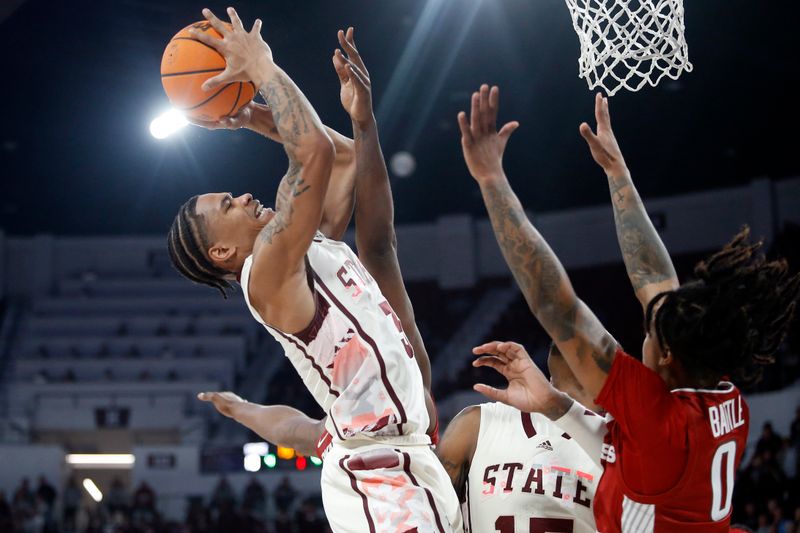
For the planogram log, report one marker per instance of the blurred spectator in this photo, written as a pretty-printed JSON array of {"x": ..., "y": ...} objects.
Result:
[
  {"x": 74, "y": 351},
  {"x": 108, "y": 375},
  {"x": 284, "y": 495},
  {"x": 133, "y": 351},
  {"x": 42, "y": 377},
  {"x": 283, "y": 523},
  {"x": 70, "y": 503},
  {"x": 172, "y": 375},
  {"x": 104, "y": 350},
  {"x": 6, "y": 518},
  {"x": 254, "y": 499},
  {"x": 197, "y": 516},
  {"x": 46, "y": 492},
  {"x": 69, "y": 376},
  {"x": 794, "y": 434},
  {"x": 46, "y": 495},
  {"x": 306, "y": 518},
  {"x": 117, "y": 497},
  {"x": 143, "y": 510},
  {"x": 769, "y": 440},
  {"x": 223, "y": 495},
  {"x": 144, "y": 375},
  {"x": 24, "y": 498},
  {"x": 162, "y": 330},
  {"x": 42, "y": 351}
]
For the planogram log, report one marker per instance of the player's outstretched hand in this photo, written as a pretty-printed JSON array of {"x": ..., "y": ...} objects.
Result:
[
  {"x": 356, "y": 89},
  {"x": 603, "y": 144},
  {"x": 244, "y": 52},
  {"x": 483, "y": 145},
  {"x": 225, "y": 402},
  {"x": 528, "y": 390}
]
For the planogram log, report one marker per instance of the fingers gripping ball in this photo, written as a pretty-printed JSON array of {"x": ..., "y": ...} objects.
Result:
[{"x": 186, "y": 64}]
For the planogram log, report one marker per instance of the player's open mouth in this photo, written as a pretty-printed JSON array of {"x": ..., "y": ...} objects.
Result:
[{"x": 260, "y": 211}]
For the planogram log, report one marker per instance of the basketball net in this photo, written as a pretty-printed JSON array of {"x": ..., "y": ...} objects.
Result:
[{"x": 629, "y": 43}]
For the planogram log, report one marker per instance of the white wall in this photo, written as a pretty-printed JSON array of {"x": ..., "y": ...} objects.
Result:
[{"x": 18, "y": 461}]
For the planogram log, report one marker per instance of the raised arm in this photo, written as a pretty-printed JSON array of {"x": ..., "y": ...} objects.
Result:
[
  {"x": 278, "y": 253},
  {"x": 579, "y": 335},
  {"x": 375, "y": 234},
  {"x": 646, "y": 258},
  {"x": 279, "y": 424}
]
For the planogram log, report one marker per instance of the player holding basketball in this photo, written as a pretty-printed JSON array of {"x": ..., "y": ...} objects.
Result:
[
  {"x": 349, "y": 346},
  {"x": 563, "y": 477},
  {"x": 677, "y": 430}
]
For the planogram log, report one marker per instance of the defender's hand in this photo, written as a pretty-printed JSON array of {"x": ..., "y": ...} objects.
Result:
[
  {"x": 356, "y": 89},
  {"x": 244, "y": 52},
  {"x": 528, "y": 390},
  {"x": 603, "y": 145},
  {"x": 242, "y": 119},
  {"x": 225, "y": 402},
  {"x": 483, "y": 145}
]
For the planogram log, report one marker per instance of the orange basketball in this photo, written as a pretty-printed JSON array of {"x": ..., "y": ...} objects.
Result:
[{"x": 186, "y": 64}]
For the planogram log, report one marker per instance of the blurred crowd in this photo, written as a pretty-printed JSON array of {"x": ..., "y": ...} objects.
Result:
[
  {"x": 40, "y": 510},
  {"x": 766, "y": 497}
]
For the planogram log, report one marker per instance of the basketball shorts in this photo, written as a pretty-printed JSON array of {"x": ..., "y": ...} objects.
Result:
[{"x": 380, "y": 488}]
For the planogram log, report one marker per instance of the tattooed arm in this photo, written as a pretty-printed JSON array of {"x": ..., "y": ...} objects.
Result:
[
  {"x": 279, "y": 424},
  {"x": 457, "y": 447},
  {"x": 646, "y": 258},
  {"x": 277, "y": 285},
  {"x": 586, "y": 345}
]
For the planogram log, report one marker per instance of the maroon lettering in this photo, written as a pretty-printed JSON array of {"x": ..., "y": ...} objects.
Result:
[
  {"x": 551, "y": 525},
  {"x": 557, "y": 492},
  {"x": 388, "y": 311},
  {"x": 486, "y": 478},
  {"x": 535, "y": 475},
  {"x": 511, "y": 467},
  {"x": 586, "y": 502},
  {"x": 504, "y": 524},
  {"x": 347, "y": 282}
]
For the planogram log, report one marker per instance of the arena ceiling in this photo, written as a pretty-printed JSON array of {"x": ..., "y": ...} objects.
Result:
[{"x": 82, "y": 83}]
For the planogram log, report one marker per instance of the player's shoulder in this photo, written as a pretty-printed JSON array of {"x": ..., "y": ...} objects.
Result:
[
  {"x": 724, "y": 392},
  {"x": 498, "y": 412}
]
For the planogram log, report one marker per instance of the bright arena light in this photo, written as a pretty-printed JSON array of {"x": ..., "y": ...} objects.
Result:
[
  {"x": 167, "y": 123},
  {"x": 252, "y": 462},
  {"x": 101, "y": 460},
  {"x": 270, "y": 460},
  {"x": 402, "y": 164},
  {"x": 258, "y": 448},
  {"x": 92, "y": 489}
]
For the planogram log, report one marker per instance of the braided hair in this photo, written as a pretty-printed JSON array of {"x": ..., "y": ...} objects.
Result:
[
  {"x": 187, "y": 241},
  {"x": 732, "y": 318}
]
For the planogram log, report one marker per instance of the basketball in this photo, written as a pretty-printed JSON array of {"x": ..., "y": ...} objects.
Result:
[{"x": 187, "y": 63}]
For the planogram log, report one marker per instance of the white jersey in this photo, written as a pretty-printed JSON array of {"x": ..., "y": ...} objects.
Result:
[
  {"x": 354, "y": 357},
  {"x": 528, "y": 475}
]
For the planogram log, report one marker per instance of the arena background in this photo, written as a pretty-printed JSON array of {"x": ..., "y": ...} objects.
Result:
[{"x": 103, "y": 346}]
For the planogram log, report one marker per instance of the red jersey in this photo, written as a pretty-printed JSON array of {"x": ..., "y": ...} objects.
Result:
[{"x": 669, "y": 456}]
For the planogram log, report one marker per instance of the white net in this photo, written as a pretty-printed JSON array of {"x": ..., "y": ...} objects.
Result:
[{"x": 629, "y": 43}]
